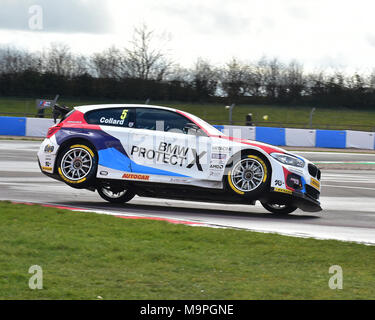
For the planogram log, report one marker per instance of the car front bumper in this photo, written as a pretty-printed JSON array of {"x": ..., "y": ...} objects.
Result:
[{"x": 293, "y": 198}]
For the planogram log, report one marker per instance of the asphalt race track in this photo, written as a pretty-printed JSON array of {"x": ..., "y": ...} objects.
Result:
[{"x": 348, "y": 199}]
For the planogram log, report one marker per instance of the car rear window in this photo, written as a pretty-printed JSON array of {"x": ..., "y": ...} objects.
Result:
[
  {"x": 118, "y": 117},
  {"x": 66, "y": 116}
]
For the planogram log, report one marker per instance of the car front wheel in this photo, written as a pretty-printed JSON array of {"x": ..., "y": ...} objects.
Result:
[
  {"x": 249, "y": 176},
  {"x": 278, "y": 208}
]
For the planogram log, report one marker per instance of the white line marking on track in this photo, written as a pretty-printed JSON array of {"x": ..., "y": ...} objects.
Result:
[
  {"x": 335, "y": 153},
  {"x": 348, "y": 187}
]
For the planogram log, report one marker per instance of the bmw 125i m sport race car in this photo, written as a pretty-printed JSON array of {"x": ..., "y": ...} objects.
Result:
[{"x": 151, "y": 151}]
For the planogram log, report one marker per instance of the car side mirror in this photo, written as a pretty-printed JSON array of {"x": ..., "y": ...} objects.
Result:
[{"x": 189, "y": 127}]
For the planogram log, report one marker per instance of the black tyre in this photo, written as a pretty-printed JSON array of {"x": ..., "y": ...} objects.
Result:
[
  {"x": 248, "y": 176},
  {"x": 77, "y": 165},
  {"x": 278, "y": 208},
  {"x": 115, "y": 195}
]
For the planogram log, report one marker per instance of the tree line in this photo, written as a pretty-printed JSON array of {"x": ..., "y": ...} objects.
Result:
[{"x": 143, "y": 70}]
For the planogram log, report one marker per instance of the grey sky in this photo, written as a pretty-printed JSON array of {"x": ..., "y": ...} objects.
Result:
[
  {"x": 206, "y": 19},
  {"x": 318, "y": 33},
  {"x": 66, "y": 16}
]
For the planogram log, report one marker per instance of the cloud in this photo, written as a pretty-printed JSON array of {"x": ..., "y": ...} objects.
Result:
[
  {"x": 371, "y": 40},
  {"x": 319, "y": 33},
  {"x": 68, "y": 16},
  {"x": 299, "y": 12},
  {"x": 206, "y": 17}
]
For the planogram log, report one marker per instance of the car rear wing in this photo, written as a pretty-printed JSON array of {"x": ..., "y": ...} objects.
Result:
[{"x": 59, "y": 111}]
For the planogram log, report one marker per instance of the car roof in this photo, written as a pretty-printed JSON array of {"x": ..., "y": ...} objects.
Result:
[{"x": 87, "y": 108}]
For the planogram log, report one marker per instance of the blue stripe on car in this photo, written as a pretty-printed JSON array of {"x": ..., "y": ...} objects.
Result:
[
  {"x": 100, "y": 139},
  {"x": 303, "y": 190},
  {"x": 112, "y": 158},
  {"x": 110, "y": 150}
]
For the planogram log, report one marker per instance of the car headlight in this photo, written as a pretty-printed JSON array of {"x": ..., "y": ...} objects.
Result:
[{"x": 288, "y": 159}]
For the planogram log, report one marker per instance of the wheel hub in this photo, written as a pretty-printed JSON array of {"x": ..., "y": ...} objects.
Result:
[
  {"x": 248, "y": 175},
  {"x": 113, "y": 194},
  {"x": 77, "y": 163}
]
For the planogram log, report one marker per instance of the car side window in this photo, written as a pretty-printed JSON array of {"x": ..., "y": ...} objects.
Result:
[
  {"x": 161, "y": 120},
  {"x": 118, "y": 117}
]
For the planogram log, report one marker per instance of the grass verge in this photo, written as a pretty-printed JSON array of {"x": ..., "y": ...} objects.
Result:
[
  {"x": 86, "y": 255},
  {"x": 286, "y": 116}
]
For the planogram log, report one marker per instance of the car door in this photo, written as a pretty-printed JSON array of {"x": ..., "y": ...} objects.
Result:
[
  {"x": 190, "y": 148},
  {"x": 160, "y": 146}
]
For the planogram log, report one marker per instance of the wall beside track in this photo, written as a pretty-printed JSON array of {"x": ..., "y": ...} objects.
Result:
[
  {"x": 12, "y": 126},
  {"x": 37, "y": 127},
  {"x": 21, "y": 126},
  {"x": 303, "y": 137}
]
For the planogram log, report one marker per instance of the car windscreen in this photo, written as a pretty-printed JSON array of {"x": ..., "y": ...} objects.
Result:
[{"x": 209, "y": 129}]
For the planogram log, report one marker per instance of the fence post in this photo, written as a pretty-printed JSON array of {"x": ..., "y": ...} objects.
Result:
[{"x": 311, "y": 117}]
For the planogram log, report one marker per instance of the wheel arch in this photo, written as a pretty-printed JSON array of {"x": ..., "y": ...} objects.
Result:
[
  {"x": 72, "y": 141},
  {"x": 247, "y": 151}
]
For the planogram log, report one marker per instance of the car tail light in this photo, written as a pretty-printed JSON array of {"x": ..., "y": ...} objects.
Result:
[{"x": 52, "y": 131}]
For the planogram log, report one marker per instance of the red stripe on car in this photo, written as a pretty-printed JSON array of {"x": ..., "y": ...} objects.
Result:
[{"x": 77, "y": 120}]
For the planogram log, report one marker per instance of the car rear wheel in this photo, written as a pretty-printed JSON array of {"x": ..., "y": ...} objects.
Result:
[
  {"x": 115, "y": 195},
  {"x": 77, "y": 165},
  {"x": 248, "y": 176},
  {"x": 278, "y": 208}
]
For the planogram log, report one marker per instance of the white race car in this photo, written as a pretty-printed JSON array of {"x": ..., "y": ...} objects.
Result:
[{"x": 124, "y": 150}]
